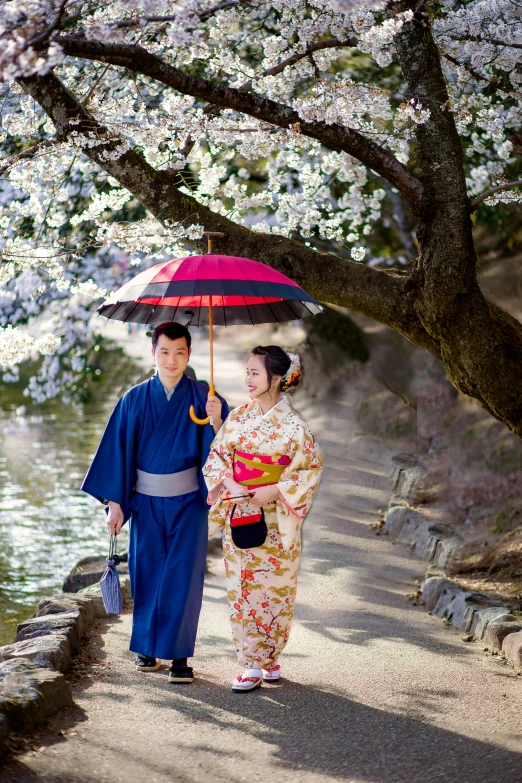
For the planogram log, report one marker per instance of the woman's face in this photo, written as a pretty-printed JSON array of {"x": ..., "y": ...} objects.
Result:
[{"x": 257, "y": 378}]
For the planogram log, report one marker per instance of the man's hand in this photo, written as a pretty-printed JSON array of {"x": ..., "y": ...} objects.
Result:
[
  {"x": 264, "y": 495},
  {"x": 213, "y": 409},
  {"x": 235, "y": 490},
  {"x": 115, "y": 518}
]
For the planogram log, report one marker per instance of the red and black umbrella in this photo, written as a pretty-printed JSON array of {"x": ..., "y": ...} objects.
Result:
[
  {"x": 239, "y": 290},
  {"x": 208, "y": 290}
]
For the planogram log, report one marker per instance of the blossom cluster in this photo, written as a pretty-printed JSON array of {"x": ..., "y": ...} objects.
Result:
[
  {"x": 16, "y": 345},
  {"x": 70, "y": 232}
]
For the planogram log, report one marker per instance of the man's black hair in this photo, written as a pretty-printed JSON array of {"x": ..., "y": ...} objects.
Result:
[{"x": 173, "y": 331}]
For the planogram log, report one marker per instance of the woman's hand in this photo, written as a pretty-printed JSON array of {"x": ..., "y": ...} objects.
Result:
[
  {"x": 235, "y": 490},
  {"x": 115, "y": 518},
  {"x": 264, "y": 495}
]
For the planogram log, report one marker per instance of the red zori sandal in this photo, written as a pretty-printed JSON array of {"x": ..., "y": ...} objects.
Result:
[
  {"x": 249, "y": 681},
  {"x": 272, "y": 673}
]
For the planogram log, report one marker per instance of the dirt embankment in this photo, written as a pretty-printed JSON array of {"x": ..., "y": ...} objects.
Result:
[{"x": 474, "y": 464}]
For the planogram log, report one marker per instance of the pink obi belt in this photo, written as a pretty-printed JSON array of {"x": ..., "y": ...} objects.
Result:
[{"x": 258, "y": 470}]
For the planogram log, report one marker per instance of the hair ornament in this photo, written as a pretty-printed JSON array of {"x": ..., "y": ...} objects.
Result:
[{"x": 293, "y": 372}]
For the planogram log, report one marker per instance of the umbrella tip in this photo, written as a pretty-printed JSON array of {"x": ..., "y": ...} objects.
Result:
[{"x": 209, "y": 235}]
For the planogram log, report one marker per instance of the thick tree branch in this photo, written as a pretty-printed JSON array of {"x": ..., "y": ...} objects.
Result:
[
  {"x": 375, "y": 293},
  {"x": 446, "y": 313},
  {"x": 333, "y": 136},
  {"x": 507, "y": 186}
]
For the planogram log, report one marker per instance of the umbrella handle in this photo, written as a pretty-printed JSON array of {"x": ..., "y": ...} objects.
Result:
[
  {"x": 192, "y": 412},
  {"x": 212, "y": 388}
]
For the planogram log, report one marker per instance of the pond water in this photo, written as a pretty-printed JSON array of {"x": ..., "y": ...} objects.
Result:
[{"x": 46, "y": 523}]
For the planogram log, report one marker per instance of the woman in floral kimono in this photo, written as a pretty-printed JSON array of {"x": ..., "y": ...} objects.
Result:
[{"x": 263, "y": 458}]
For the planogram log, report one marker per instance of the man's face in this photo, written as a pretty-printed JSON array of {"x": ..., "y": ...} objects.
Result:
[{"x": 171, "y": 358}]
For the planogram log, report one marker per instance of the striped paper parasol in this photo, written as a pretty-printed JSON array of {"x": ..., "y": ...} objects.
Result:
[
  {"x": 239, "y": 290},
  {"x": 209, "y": 290}
]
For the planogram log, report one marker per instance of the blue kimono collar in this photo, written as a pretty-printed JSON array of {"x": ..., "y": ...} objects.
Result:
[{"x": 180, "y": 385}]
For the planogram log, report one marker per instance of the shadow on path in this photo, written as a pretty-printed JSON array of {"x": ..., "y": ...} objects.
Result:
[
  {"x": 328, "y": 733},
  {"x": 308, "y": 729},
  {"x": 305, "y": 724}
]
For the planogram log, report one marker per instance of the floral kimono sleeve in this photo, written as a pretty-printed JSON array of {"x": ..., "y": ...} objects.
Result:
[
  {"x": 219, "y": 466},
  {"x": 298, "y": 484}
]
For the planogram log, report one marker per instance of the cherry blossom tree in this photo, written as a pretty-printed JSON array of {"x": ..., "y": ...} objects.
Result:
[{"x": 353, "y": 146}]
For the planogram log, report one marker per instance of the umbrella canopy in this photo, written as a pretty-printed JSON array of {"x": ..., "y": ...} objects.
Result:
[
  {"x": 209, "y": 289},
  {"x": 237, "y": 290}
]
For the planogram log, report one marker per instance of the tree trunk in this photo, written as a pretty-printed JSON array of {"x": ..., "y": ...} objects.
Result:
[{"x": 479, "y": 344}]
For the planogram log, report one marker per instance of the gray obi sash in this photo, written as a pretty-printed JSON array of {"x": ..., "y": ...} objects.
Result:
[{"x": 168, "y": 485}]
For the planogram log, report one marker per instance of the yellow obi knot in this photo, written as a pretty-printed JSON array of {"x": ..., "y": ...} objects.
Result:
[{"x": 258, "y": 470}]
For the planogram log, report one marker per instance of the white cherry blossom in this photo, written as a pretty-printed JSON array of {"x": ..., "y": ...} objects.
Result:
[{"x": 71, "y": 233}]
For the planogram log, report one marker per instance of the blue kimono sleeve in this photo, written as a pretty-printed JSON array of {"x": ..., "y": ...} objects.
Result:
[{"x": 112, "y": 473}]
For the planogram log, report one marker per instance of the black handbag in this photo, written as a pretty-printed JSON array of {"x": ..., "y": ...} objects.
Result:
[{"x": 248, "y": 531}]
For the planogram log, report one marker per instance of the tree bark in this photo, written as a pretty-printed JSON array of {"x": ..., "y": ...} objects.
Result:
[{"x": 480, "y": 344}]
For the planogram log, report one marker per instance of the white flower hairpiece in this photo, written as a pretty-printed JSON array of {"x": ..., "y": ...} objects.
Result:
[{"x": 294, "y": 370}]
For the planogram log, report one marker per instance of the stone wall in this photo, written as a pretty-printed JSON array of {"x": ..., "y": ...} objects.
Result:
[
  {"x": 33, "y": 684},
  {"x": 477, "y": 615}
]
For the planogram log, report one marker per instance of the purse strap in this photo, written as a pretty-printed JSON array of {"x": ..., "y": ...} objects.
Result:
[{"x": 113, "y": 550}]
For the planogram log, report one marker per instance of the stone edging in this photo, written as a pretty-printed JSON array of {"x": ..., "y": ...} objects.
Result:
[
  {"x": 32, "y": 668},
  {"x": 477, "y": 615}
]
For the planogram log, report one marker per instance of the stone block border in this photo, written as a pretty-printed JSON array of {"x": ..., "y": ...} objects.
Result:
[
  {"x": 32, "y": 669},
  {"x": 475, "y": 614}
]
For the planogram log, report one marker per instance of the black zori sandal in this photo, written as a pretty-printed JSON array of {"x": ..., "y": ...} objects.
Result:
[
  {"x": 144, "y": 663},
  {"x": 181, "y": 674}
]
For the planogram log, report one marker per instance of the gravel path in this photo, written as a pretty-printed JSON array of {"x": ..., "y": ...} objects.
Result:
[{"x": 374, "y": 689}]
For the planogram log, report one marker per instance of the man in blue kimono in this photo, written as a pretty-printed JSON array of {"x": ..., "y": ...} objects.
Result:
[{"x": 148, "y": 468}]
